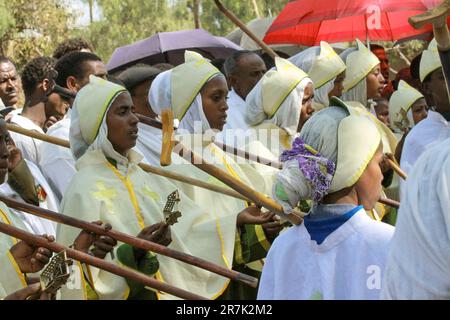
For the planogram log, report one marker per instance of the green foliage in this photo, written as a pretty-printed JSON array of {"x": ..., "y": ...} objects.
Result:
[{"x": 32, "y": 28}]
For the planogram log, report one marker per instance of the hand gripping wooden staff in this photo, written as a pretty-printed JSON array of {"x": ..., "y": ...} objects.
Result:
[
  {"x": 98, "y": 263},
  {"x": 131, "y": 240}
]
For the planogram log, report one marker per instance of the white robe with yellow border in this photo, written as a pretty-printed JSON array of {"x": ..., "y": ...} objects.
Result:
[{"x": 98, "y": 192}]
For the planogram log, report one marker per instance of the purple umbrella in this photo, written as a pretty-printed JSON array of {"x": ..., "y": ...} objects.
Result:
[{"x": 169, "y": 47}]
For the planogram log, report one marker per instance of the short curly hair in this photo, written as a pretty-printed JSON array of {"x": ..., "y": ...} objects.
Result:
[
  {"x": 71, "y": 45},
  {"x": 35, "y": 72}
]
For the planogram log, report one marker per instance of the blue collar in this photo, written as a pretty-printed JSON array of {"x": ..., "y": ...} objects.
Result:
[{"x": 320, "y": 229}]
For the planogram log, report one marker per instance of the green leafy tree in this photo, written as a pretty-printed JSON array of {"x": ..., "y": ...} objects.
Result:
[{"x": 31, "y": 28}]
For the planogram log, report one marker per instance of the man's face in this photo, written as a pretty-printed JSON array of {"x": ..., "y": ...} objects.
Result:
[
  {"x": 139, "y": 94},
  {"x": 438, "y": 89},
  {"x": 9, "y": 84},
  {"x": 97, "y": 68},
  {"x": 384, "y": 62},
  {"x": 382, "y": 111},
  {"x": 249, "y": 70}
]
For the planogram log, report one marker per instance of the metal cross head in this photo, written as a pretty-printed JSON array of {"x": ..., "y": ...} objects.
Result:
[
  {"x": 56, "y": 273},
  {"x": 171, "y": 216}
]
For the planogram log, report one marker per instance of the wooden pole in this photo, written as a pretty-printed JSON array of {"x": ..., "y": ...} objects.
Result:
[
  {"x": 394, "y": 165},
  {"x": 236, "y": 184},
  {"x": 390, "y": 202},
  {"x": 98, "y": 263},
  {"x": 145, "y": 167},
  {"x": 248, "y": 156},
  {"x": 232, "y": 150},
  {"x": 131, "y": 240},
  {"x": 244, "y": 28}
]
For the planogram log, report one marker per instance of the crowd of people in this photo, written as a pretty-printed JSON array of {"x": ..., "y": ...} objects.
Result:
[{"x": 330, "y": 120}]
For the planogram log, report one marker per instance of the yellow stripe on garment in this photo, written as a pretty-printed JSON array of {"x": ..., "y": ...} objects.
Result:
[
  {"x": 16, "y": 267},
  {"x": 8, "y": 222},
  {"x": 10, "y": 257},
  {"x": 262, "y": 237},
  {"x": 127, "y": 183}
]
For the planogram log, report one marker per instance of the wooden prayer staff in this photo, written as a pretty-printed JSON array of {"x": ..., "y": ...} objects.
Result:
[
  {"x": 390, "y": 202},
  {"x": 394, "y": 166},
  {"x": 131, "y": 240},
  {"x": 240, "y": 153},
  {"x": 145, "y": 167},
  {"x": 98, "y": 263},
  {"x": 248, "y": 156},
  {"x": 236, "y": 184},
  {"x": 244, "y": 28}
]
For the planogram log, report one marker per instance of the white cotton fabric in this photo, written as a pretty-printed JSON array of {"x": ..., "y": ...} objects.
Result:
[
  {"x": 236, "y": 112},
  {"x": 287, "y": 115},
  {"x": 160, "y": 97},
  {"x": 348, "y": 264},
  {"x": 30, "y": 147},
  {"x": 430, "y": 130},
  {"x": 35, "y": 224},
  {"x": 304, "y": 60},
  {"x": 358, "y": 93},
  {"x": 57, "y": 163},
  {"x": 418, "y": 262}
]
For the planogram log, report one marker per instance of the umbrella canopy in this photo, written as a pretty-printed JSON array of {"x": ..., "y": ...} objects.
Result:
[
  {"x": 309, "y": 22},
  {"x": 169, "y": 47}
]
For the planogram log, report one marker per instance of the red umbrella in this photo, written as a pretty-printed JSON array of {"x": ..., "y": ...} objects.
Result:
[{"x": 308, "y": 22}]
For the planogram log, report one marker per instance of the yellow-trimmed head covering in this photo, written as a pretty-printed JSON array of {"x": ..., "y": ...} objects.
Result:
[
  {"x": 187, "y": 80},
  {"x": 278, "y": 84},
  {"x": 400, "y": 104},
  {"x": 359, "y": 64},
  {"x": 429, "y": 61},
  {"x": 339, "y": 134},
  {"x": 91, "y": 104},
  {"x": 327, "y": 66}
]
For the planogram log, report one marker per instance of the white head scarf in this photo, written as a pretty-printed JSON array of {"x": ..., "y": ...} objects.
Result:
[
  {"x": 288, "y": 114},
  {"x": 358, "y": 92},
  {"x": 340, "y": 135},
  {"x": 400, "y": 105},
  {"x": 323, "y": 65},
  {"x": 88, "y": 128},
  {"x": 160, "y": 97}
]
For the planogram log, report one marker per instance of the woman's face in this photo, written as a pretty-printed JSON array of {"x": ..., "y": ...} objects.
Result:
[
  {"x": 419, "y": 110},
  {"x": 338, "y": 86},
  {"x": 122, "y": 124},
  {"x": 375, "y": 83},
  {"x": 4, "y": 153},
  {"x": 214, "y": 101},
  {"x": 307, "y": 104},
  {"x": 368, "y": 188}
]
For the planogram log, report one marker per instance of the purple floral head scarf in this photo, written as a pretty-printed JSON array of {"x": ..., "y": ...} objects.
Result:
[{"x": 317, "y": 169}]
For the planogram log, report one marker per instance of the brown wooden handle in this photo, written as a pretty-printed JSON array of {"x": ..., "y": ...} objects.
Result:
[
  {"x": 131, "y": 240},
  {"x": 98, "y": 263},
  {"x": 236, "y": 184},
  {"x": 244, "y": 28},
  {"x": 167, "y": 137},
  {"x": 397, "y": 169}
]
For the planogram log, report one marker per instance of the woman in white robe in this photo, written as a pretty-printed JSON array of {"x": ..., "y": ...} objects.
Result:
[
  {"x": 170, "y": 89},
  {"x": 111, "y": 187},
  {"x": 338, "y": 252}
]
